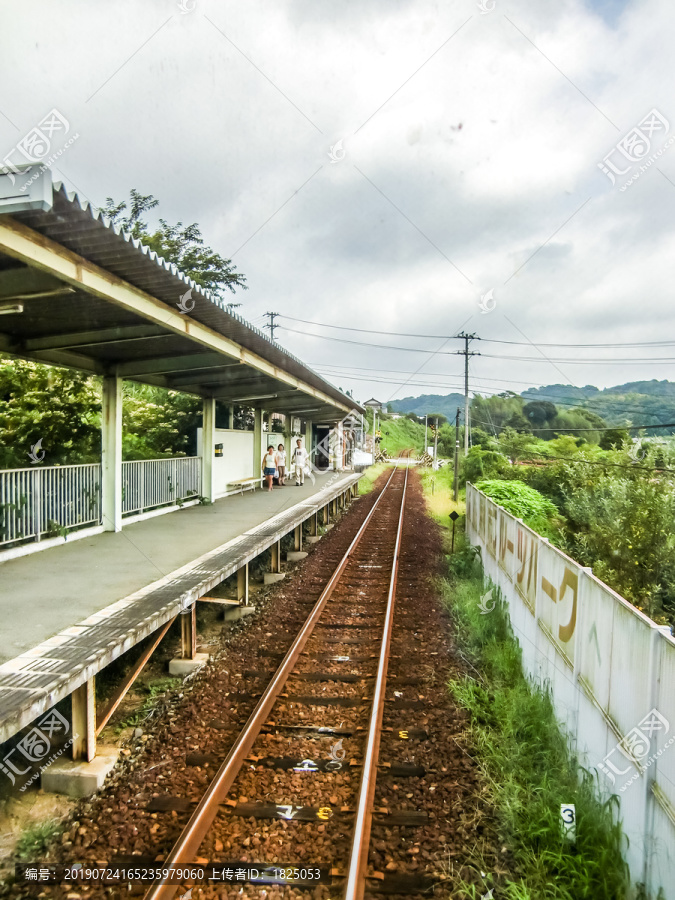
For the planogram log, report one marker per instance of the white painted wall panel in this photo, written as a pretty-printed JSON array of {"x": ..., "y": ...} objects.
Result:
[{"x": 611, "y": 673}]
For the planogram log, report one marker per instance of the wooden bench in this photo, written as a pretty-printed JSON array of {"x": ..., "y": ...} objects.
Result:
[{"x": 244, "y": 484}]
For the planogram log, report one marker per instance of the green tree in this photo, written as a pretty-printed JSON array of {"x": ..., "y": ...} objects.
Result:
[
  {"x": 179, "y": 244},
  {"x": 58, "y": 407},
  {"x": 539, "y": 412},
  {"x": 158, "y": 423},
  {"x": 622, "y": 523},
  {"x": 614, "y": 439}
]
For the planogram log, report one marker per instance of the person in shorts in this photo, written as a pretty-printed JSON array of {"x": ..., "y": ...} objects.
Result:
[
  {"x": 269, "y": 466},
  {"x": 280, "y": 458}
]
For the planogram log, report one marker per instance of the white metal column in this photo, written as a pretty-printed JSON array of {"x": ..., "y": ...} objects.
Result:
[
  {"x": 257, "y": 443},
  {"x": 208, "y": 447},
  {"x": 111, "y": 453}
]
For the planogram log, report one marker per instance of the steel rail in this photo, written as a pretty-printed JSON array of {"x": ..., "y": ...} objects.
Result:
[
  {"x": 358, "y": 858},
  {"x": 185, "y": 849}
]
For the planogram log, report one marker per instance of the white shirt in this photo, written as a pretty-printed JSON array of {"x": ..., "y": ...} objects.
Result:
[
  {"x": 281, "y": 457},
  {"x": 300, "y": 456},
  {"x": 269, "y": 461}
]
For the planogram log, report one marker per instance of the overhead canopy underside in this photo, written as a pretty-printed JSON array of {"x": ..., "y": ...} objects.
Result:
[{"x": 95, "y": 299}]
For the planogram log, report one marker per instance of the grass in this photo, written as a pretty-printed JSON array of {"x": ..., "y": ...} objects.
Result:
[
  {"x": 154, "y": 690},
  {"x": 526, "y": 768},
  {"x": 36, "y": 839},
  {"x": 437, "y": 486},
  {"x": 399, "y": 434},
  {"x": 370, "y": 476}
]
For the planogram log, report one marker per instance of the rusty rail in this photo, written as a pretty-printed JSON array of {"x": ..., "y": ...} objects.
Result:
[
  {"x": 186, "y": 847},
  {"x": 358, "y": 858}
]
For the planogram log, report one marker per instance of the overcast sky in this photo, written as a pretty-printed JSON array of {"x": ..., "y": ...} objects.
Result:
[{"x": 466, "y": 144}]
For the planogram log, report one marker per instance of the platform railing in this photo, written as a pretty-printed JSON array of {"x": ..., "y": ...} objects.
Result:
[
  {"x": 149, "y": 484},
  {"x": 49, "y": 501}
]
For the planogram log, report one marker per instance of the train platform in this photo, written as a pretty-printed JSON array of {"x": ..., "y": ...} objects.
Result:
[{"x": 69, "y": 611}]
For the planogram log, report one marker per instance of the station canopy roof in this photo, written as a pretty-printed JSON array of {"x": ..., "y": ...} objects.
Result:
[{"x": 78, "y": 291}]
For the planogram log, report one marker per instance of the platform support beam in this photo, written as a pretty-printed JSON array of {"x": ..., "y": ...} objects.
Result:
[
  {"x": 208, "y": 447},
  {"x": 326, "y": 514},
  {"x": 188, "y": 633},
  {"x": 314, "y": 524},
  {"x": 242, "y": 585},
  {"x": 297, "y": 538},
  {"x": 83, "y": 705},
  {"x": 111, "y": 453},
  {"x": 275, "y": 565}
]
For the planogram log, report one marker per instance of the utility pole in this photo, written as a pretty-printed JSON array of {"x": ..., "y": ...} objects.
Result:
[
  {"x": 436, "y": 445},
  {"x": 271, "y": 324},
  {"x": 455, "y": 486},
  {"x": 426, "y": 445},
  {"x": 466, "y": 354}
]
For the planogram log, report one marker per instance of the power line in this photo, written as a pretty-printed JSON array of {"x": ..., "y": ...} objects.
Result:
[
  {"x": 588, "y": 403},
  {"x": 486, "y": 340},
  {"x": 537, "y": 359},
  {"x": 598, "y": 428}
]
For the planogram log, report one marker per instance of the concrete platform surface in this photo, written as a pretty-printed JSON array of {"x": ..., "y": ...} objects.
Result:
[
  {"x": 43, "y": 593},
  {"x": 68, "y": 612}
]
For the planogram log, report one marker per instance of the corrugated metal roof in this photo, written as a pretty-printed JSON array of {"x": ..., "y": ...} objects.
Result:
[{"x": 81, "y": 228}]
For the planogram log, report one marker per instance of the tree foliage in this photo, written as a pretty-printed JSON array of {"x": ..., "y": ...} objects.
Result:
[
  {"x": 58, "y": 407},
  {"x": 179, "y": 244},
  {"x": 524, "y": 502}
]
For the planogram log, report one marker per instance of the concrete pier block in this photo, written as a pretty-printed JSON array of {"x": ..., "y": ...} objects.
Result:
[
  {"x": 329, "y": 526},
  {"x": 234, "y": 613},
  {"x": 313, "y": 538},
  {"x": 77, "y": 778},
  {"x": 187, "y": 666},
  {"x": 296, "y": 555},
  {"x": 273, "y": 577}
]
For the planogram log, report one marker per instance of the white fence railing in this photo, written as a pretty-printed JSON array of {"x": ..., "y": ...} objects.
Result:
[
  {"x": 151, "y": 483},
  {"x": 42, "y": 502},
  {"x": 47, "y": 501},
  {"x": 611, "y": 673}
]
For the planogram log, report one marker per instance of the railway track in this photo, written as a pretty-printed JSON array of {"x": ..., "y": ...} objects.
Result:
[
  {"x": 322, "y": 710},
  {"x": 312, "y": 690},
  {"x": 338, "y": 753}
]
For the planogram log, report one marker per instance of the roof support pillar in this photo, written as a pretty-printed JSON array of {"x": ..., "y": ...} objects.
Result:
[
  {"x": 308, "y": 440},
  {"x": 208, "y": 447},
  {"x": 111, "y": 453},
  {"x": 257, "y": 442}
]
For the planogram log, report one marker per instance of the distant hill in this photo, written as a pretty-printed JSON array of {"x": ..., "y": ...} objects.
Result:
[
  {"x": 430, "y": 403},
  {"x": 634, "y": 403}
]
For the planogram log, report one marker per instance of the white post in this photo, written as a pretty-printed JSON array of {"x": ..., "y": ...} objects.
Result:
[
  {"x": 208, "y": 447},
  {"x": 308, "y": 436},
  {"x": 111, "y": 453},
  {"x": 257, "y": 443}
]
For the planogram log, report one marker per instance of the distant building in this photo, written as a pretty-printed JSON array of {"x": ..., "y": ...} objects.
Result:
[{"x": 376, "y": 405}]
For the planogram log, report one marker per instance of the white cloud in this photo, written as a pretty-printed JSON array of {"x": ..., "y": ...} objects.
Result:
[{"x": 188, "y": 117}]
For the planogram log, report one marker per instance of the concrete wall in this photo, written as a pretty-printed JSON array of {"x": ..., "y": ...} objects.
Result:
[
  {"x": 611, "y": 673},
  {"x": 237, "y": 459}
]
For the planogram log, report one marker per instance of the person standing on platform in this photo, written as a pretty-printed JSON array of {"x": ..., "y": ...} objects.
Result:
[
  {"x": 300, "y": 457},
  {"x": 269, "y": 466},
  {"x": 281, "y": 464}
]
